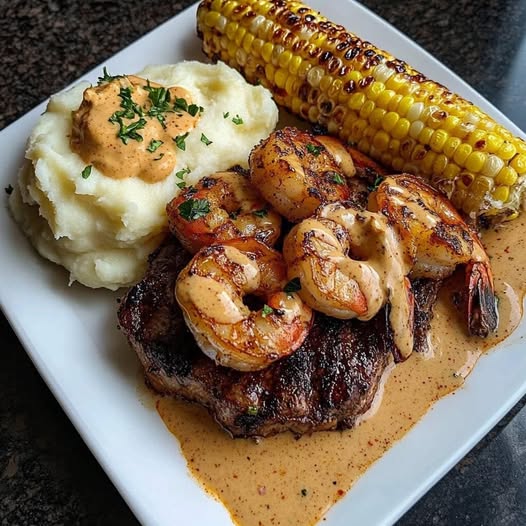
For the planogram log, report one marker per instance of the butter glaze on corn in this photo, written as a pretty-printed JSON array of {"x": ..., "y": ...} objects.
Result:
[{"x": 364, "y": 95}]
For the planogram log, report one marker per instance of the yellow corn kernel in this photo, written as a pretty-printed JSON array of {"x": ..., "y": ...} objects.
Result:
[
  {"x": 294, "y": 64},
  {"x": 507, "y": 176},
  {"x": 364, "y": 146},
  {"x": 284, "y": 59},
  {"x": 428, "y": 162},
  {"x": 395, "y": 82},
  {"x": 477, "y": 140},
  {"x": 383, "y": 99},
  {"x": 394, "y": 102},
  {"x": 381, "y": 140},
  {"x": 450, "y": 123},
  {"x": 461, "y": 153},
  {"x": 356, "y": 101},
  {"x": 507, "y": 151},
  {"x": 398, "y": 164},
  {"x": 440, "y": 164},
  {"x": 366, "y": 109},
  {"x": 281, "y": 78},
  {"x": 450, "y": 147},
  {"x": 400, "y": 129},
  {"x": 247, "y": 42},
  {"x": 501, "y": 193},
  {"x": 404, "y": 105},
  {"x": 376, "y": 117},
  {"x": 425, "y": 135},
  {"x": 518, "y": 163},
  {"x": 438, "y": 140},
  {"x": 374, "y": 90},
  {"x": 389, "y": 121},
  {"x": 357, "y": 129},
  {"x": 451, "y": 171},
  {"x": 325, "y": 82},
  {"x": 475, "y": 161}
]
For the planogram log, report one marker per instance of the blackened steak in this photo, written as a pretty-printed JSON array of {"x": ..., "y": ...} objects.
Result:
[{"x": 326, "y": 384}]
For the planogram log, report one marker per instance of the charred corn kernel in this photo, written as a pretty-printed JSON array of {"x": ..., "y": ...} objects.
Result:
[
  {"x": 501, "y": 193},
  {"x": 507, "y": 176},
  {"x": 518, "y": 163},
  {"x": 367, "y": 96}
]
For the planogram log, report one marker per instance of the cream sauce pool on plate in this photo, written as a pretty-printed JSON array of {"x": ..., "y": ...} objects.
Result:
[{"x": 282, "y": 480}]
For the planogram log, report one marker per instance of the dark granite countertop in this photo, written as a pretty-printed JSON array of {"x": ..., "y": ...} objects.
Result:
[{"x": 47, "y": 474}]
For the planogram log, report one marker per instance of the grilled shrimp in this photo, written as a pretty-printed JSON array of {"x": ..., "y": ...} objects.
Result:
[
  {"x": 211, "y": 289},
  {"x": 349, "y": 265},
  {"x": 221, "y": 206},
  {"x": 435, "y": 240},
  {"x": 296, "y": 171}
]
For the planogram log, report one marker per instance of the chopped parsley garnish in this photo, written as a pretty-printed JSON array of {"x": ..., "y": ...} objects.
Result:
[
  {"x": 266, "y": 310},
  {"x": 154, "y": 144},
  {"x": 86, "y": 172},
  {"x": 293, "y": 285},
  {"x": 376, "y": 183},
  {"x": 337, "y": 178},
  {"x": 8, "y": 189},
  {"x": 180, "y": 141},
  {"x": 130, "y": 109},
  {"x": 194, "y": 109},
  {"x": 193, "y": 209},
  {"x": 260, "y": 213},
  {"x": 160, "y": 100},
  {"x": 315, "y": 150},
  {"x": 205, "y": 140},
  {"x": 226, "y": 114},
  {"x": 181, "y": 173},
  {"x": 252, "y": 410},
  {"x": 237, "y": 120},
  {"x": 181, "y": 185},
  {"x": 181, "y": 104},
  {"x": 106, "y": 77}
]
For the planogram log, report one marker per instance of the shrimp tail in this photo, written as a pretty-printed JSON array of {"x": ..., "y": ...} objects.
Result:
[
  {"x": 406, "y": 310},
  {"x": 482, "y": 312}
]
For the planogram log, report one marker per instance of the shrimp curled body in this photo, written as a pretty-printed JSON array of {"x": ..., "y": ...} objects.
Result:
[
  {"x": 221, "y": 206},
  {"x": 349, "y": 266},
  {"x": 211, "y": 289},
  {"x": 435, "y": 240},
  {"x": 297, "y": 172}
]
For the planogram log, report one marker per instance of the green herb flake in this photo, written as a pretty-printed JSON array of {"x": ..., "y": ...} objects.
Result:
[
  {"x": 260, "y": 213},
  {"x": 180, "y": 141},
  {"x": 293, "y": 285},
  {"x": 205, "y": 140},
  {"x": 106, "y": 77},
  {"x": 376, "y": 183},
  {"x": 237, "y": 120},
  {"x": 181, "y": 173},
  {"x": 226, "y": 114},
  {"x": 8, "y": 189},
  {"x": 315, "y": 150},
  {"x": 266, "y": 310},
  {"x": 337, "y": 178},
  {"x": 194, "y": 109},
  {"x": 193, "y": 209},
  {"x": 154, "y": 144},
  {"x": 304, "y": 492},
  {"x": 252, "y": 410},
  {"x": 181, "y": 185},
  {"x": 86, "y": 172}
]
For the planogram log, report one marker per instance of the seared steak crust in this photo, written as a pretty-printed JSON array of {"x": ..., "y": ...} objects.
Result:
[{"x": 326, "y": 384}]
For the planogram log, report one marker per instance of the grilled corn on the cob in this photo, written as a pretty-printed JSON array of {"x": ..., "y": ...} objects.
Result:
[{"x": 364, "y": 95}]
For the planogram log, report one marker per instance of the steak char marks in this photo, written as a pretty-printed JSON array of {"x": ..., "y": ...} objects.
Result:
[{"x": 326, "y": 384}]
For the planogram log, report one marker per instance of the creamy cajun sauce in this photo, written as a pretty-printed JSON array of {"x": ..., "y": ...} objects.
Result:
[
  {"x": 286, "y": 481},
  {"x": 127, "y": 127}
]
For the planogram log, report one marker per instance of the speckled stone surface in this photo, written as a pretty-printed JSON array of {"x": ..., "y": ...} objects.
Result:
[{"x": 47, "y": 474}]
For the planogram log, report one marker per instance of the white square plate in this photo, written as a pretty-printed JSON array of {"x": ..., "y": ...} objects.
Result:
[{"x": 70, "y": 334}]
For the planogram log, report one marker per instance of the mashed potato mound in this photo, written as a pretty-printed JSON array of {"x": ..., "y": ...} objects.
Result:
[{"x": 103, "y": 229}]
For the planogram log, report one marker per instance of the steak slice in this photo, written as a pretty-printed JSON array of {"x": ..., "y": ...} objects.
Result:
[{"x": 326, "y": 384}]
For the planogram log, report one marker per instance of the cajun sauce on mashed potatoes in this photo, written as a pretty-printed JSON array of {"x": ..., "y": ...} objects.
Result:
[{"x": 89, "y": 203}]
